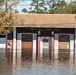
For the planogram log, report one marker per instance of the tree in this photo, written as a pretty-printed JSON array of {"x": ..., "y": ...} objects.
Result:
[
  {"x": 52, "y": 5},
  {"x": 6, "y": 15},
  {"x": 43, "y": 6},
  {"x": 24, "y": 10},
  {"x": 66, "y": 8},
  {"x": 38, "y": 6},
  {"x": 16, "y": 11},
  {"x": 72, "y": 5},
  {"x": 61, "y": 7}
]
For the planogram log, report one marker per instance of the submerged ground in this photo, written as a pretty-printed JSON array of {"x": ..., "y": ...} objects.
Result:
[{"x": 9, "y": 66}]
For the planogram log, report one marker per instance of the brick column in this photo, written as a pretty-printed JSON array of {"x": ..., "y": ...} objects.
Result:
[
  {"x": 9, "y": 45},
  {"x": 38, "y": 48},
  {"x": 9, "y": 49},
  {"x": 52, "y": 48}
]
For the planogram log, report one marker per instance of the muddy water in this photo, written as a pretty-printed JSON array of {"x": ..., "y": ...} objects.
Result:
[{"x": 10, "y": 66}]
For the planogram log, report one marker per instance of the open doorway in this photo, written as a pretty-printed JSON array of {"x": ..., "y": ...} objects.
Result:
[
  {"x": 45, "y": 47},
  {"x": 64, "y": 47},
  {"x": 26, "y": 46}
]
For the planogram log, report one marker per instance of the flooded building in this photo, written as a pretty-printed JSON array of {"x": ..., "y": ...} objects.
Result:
[{"x": 49, "y": 36}]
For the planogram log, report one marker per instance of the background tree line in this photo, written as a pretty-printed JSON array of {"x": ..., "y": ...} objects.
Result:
[{"x": 51, "y": 7}]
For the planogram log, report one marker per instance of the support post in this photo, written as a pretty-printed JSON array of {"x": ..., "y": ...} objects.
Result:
[
  {"x": 41, "y": 48},
  {"x": 34, "y": 46},
  {"x": 38, "y": 48},
  {"x": 14, "y": 42},
  {"x": 14, "y": 47},
  {"x": 52, "y": 48},
  {"x": 18, "y": 42},
  {"x": 19, "y": 47},
  {"x": 71, "y": 46},
  {"x": 56, "y": 47},
  {"x": 75, "y": 43}
]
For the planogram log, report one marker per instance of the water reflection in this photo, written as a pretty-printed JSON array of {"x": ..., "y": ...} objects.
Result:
[
  {"x": 5, "y": 64},
  {"x": 20, "y": 66}
]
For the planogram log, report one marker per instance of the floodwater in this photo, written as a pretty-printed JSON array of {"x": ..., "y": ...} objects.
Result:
[{"x": 17, "y": 66}]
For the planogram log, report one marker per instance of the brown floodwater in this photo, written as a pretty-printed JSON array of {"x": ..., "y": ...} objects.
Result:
[{"x": 20, "y": 66}]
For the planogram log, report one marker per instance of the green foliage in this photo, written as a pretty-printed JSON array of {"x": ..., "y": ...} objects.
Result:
[
  {"x": 72, "y": 5},
  {"x": 64, "y": 8},
  {"x": 53, "y": 7},
  {"x": 38, "y": 6},
  {"x": 16, "y": 11},
  {"x": 6, "y": 15},
  {"x": 24, "y": 10},
  {"x": 6, "y": 21}
]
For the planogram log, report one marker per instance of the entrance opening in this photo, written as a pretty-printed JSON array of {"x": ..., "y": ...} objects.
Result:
[
  {"x": 26, "y": 46},
  {"x": 63, "y": 47},
  {"x": 46, "y": 47}
]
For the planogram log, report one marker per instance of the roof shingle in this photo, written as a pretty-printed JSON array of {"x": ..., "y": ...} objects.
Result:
[{"x": 51, "y": 20}]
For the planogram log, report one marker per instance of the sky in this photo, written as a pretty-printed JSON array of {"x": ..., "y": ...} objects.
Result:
[{"x": 26, "y": 4}]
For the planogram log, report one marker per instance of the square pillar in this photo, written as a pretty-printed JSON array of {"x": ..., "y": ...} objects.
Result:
[
  {"x": 14, "y": 39},
  {"x": 34, "y": 46},
  {"x": 56, "y": 47},
  {"x": 75, "y": 43},
  {"x": 14, "y": 42},
  {"x": 19, "y": 47},
  {"x": 52, "y": 48},
  {"x": 38, "y": 55},
  {"x": 71, "y": 46},
  {"x": 41, "y": 48},
  {"x": 18, "y": 42}
]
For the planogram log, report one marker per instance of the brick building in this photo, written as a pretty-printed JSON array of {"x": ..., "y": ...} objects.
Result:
[{"x": 50, "y": 36}]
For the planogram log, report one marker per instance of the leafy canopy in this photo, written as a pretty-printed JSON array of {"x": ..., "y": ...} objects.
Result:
[{"x": 6, "y": 15}]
